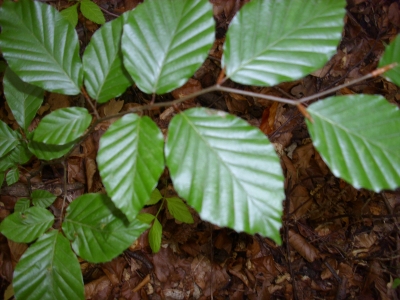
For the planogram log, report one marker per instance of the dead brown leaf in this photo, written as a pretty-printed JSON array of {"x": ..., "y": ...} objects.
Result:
[{"x": 301, "y": 245}]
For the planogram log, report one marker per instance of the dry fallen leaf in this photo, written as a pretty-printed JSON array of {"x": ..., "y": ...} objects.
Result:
[{"x": 301, "y": 245}]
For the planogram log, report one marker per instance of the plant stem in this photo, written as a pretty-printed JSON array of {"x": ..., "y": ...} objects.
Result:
[
  {"x": 89, "y": 101},
  {"x": 220, "y": 88},
  {"x": 64, "y": 163},
  {"x": 374, "y": 73},
  {"x": 257, "y": 95},
  {"x": 162, "y": 104}
]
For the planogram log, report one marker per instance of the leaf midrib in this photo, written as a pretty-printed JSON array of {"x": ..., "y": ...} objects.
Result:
[{"x": 244, "y": 64}]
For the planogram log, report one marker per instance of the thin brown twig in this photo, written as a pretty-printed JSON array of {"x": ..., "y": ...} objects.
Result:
[
  {"x": 222, "y": 89},
  {"x": 65, "y": 186},
  {"x": 375, "y": 73},
  {"x": 108, "y": 12},
  {"x": 141, "y": 284},
  {"x": 89, "y": 101},
  {"x": 256, "y": 95}
]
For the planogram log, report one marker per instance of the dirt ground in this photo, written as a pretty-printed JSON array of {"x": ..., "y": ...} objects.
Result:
[{"x": 338, "y": 242}]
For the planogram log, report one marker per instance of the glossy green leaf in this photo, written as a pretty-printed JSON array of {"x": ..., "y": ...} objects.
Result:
[
  {"x": 358, "y": 137},
  {"x": 227, "y": 170},
  {"x": 166, "y": 41},
  {"x": 71, "y": 14},
  {"x": 20, "y": 154},
  {"x": 49, "y": 152},
  {"x": 6, "y": 163},
  {"x": 17, "y": 156},
  {"x": 42, "y": 198},
  {"x": 271, "y": 41},
  {"x": 130, "y": 161},
  {"x": 145, "y": 218},
  {"x": 62, "y": 126},
  {"x": 154, "y": 197},
  {"x": 155, "y": 233},
  {"x": 98, "y": 230},
  {"x": 23, "y": 98},
  {"x": 12, "y": 176},
  {"x": 8, "y": 139},
  {"x": 49, "y": 270},
  {"x": 179, "y": 210},
  {"x": 22, "y": 205},
  {"x": 105, "y": 75},
  {"x": 92, "y": 12},
  {"x": 27, "y": 226},
  {"x": 40, "y": 46},
  {"x": 392, "y": 55}
]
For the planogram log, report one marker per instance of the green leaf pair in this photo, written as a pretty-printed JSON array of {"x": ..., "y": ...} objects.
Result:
[
  {"x": 176, "y": 207},
  {"x": 216, "y": 175},
  {"x": 27, "y": 223},
  {"x": 89, "y": 10}
]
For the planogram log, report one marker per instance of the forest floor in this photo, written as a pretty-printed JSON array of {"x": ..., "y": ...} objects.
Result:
[{"x": 338, "y": 242}]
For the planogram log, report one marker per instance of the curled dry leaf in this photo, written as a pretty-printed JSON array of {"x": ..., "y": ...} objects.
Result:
[
  {"x": 300, "y": 201},
  {"x": 268, "y": 119},
  {"x": 16, "y": 251},
  {"x": 365, "y": 240},
  {"x": 300, "y": 244},
  {"x": 91, "y": 168}
]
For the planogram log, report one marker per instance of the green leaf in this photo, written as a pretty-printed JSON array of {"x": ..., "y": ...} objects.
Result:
[
  {"x": 396, "y": 283},
  {"x": 40, "y": 46},
  {"x": 71, "y": 14},
  {"x": 92, "y": 12},
  {"x": 6, "y": 163},
  {"x": 98, "y": 230},
  {"x": 105, "y": 75},
  {"x": 20, "y": 154},
  {"x": 42, "y": 198},
  {"x": 145, "y": 218},
  {"x": 155, "y": 236},
  {"x": 62, "y": 126},
  {"x": 49, "y": 270},
  {"x": 154, "y": 197},
  {"x": 2, "y": 175},
  {"x": 165, "y": 42},
  {"x": 17, "y": 156},
  {"x": 23, "y": 98},
  {"x": 22, "y": 205},
  {"x": 8, "y": 139},
  {"x": 27, "y": 226},
  {"x": 179, "y": 210},
  {"x": 130, "y": 161},
  {"x": 49, "y": 152},
  {"x": 271, "y": 41},
  {"x": 227, "y": 170},
  {"x": 392, "y": 55},
  {"x": 358, "y": 137},
  {"x": 12, "y": 176}
]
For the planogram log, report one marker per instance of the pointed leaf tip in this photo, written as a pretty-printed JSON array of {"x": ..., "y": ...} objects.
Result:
[
  {"x": 269, "y": 42},
  {"x": 41, "y": 46},
  {"x": 162, "y": 55},
  {"x": 130, "y": 161},
  {"x": 357, "y": 143},
  {"x": 392, "y": 55}
]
